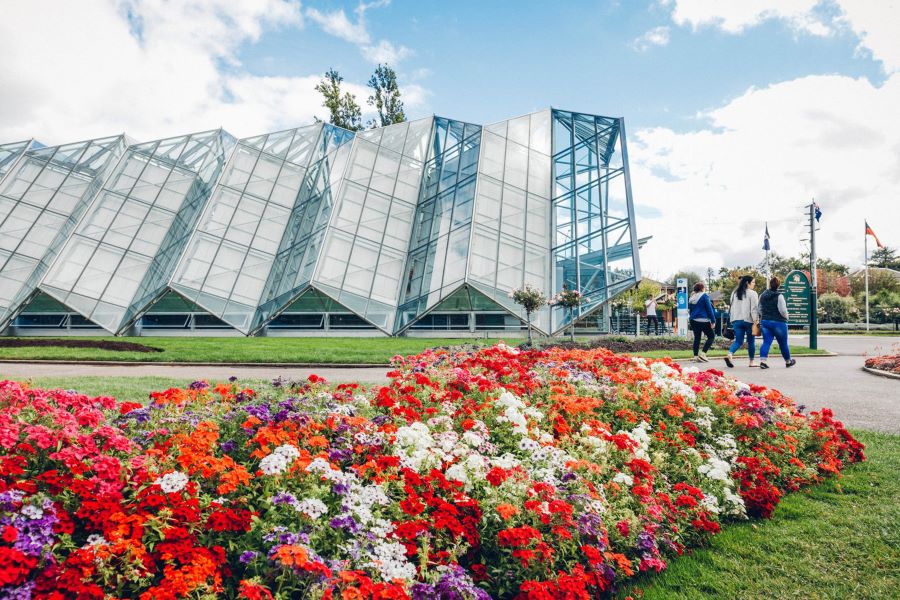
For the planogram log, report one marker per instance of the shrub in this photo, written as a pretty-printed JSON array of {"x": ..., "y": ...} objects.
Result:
[{"x": 837, "y": 309}]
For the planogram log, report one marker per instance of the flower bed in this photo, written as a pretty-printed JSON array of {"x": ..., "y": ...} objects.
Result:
[
  {"x": 497, "y": 473},
  {"x": 890, "y": 363}
]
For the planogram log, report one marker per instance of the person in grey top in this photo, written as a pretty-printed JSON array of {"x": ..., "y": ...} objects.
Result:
[
  {"x": 774, "y": 317},
  {"x": 744, "y": 313}
]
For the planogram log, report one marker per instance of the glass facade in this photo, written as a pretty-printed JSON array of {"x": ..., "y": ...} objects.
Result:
[
  {"x": 595, "y": 245},
  {"x": 123, "y": 252},
  {"x": 43, "y": 194},
  {"x": 422, "y": 225}
]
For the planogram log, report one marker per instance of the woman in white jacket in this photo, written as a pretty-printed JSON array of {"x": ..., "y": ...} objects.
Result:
[{"x": 744, "y": 313}]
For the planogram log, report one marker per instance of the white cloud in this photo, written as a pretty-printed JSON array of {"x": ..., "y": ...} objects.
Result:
[
  {"x": 658, "y": 36},
  {"x": 761, "y": 158},
  {"x": 337, "y": 23},
  {"x": 734, "y": 16},
  {"x": 875, "y": 22},
  {"x": 149, "y": 68},
  {"x": 878, "y": 26}
]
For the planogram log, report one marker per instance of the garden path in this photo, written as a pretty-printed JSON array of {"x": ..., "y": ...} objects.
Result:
[{"x": 858, "y": 398}]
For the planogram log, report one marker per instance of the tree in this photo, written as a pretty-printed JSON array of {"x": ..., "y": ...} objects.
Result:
[
  {"x": 782, "y": 265},
  {"x": 342, "y": 107},
  {"x": 569, "y": 300},
  {"x": 885, "y": 258},
  {"x": 385, "y": 97},
  {"x": 691, "y": 276},
  {"x": 878, "y": 280},
  {"x": 837, "y": 309},
  {"x": 531, "y": 299}
]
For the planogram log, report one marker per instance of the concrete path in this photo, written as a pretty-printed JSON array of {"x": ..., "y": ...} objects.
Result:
[{"x": 858, "y": 398}]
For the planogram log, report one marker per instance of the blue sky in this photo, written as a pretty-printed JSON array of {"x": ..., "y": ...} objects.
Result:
[
  {"x": 738, "y": 111},
  {"x": 486, "y": 62}
]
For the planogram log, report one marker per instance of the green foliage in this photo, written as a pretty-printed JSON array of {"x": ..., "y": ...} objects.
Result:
[
  {"x": 330, "y": 350},
  {"x": 878, "y": 280},
  {"x": 636, "y": 297},
  {"x": 837, "y": 540},
  {"x": 885, "y": 257},
  {"x": 728, "y": 280},
  {"x": 528, "y": 297},
  {"x": 834, "y": 308},
  {"x": 691, "y": 276},
  {"x": 342, "y": 107},
  {"x": 385, "y": 97}
]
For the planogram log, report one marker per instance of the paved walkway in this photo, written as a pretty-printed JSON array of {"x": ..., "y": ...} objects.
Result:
[{"x": 858, "y": 398}]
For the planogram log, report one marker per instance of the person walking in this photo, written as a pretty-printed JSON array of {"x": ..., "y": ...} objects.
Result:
[
  {"x": 744, "y": 313},
  {"x": 774, "y": 316},
  {"x": 702, "y": 320},
  {"x": 652, "y": 316}
]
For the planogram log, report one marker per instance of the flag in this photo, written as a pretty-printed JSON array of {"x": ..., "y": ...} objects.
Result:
[
  {"x": 766, "y": 239},
  {"x": 872, "y": 233},
  {"x": 818, "y": 212}
]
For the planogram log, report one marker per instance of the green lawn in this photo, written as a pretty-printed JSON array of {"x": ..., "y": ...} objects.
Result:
[
  {"x": 840, "y": 539},
  {"x": 332, "y": 350}
]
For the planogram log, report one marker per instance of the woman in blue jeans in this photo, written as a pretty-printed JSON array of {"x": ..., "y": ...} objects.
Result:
[
  {"x": 744, "y": 313},
  {"x": 773, "y": 310}
]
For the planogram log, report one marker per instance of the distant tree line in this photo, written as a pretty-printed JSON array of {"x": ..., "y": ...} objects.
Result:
[
  {"x": 841, "y": 293},
  {"x": 344, "y": 110}
]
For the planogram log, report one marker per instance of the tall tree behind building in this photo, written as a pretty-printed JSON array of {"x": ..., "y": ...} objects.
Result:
[
  {"x": 385, "y": 97},
  {"x": 342, "y": 107}
]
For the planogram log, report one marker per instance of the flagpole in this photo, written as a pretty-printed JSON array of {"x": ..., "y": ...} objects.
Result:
[{"x": 866, "y": 256}]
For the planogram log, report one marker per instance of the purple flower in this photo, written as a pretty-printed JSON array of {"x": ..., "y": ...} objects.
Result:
[
  {"x": 646, "y": 543},
  {"x": 345, "y": 522},
  {"x": 247, "y": 556},
  {"x": 455, "y": 584},
  {"x": 228, "y": 446},
  {"x": 198, "y": 385},
  {"x": 284, "y": 498},
  {"x": 232, "y": 379}
]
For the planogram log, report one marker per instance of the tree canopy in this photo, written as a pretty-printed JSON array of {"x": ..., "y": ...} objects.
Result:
[
  {"x": 342, "y": 107},
  {"x": 385, "y": 97}
]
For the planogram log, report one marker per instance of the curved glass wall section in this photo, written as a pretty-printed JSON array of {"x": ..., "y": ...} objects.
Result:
[
  {"x": 595, "y": 249},
  {"x": 439, "y": 244},
  {"x": 300, "y": 247},
  {"x": 511, "y": 238},
  {"x": 124, "y": 250},
  {"x": 365, "y": 247},
  {"x": 44, "y": 193},
  {"x": 228, "y": 260}
]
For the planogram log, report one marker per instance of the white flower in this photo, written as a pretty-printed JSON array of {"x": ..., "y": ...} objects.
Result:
[
  {"x": 95, "y": 539},
  {"x": 289, "y": 452},
  {"x": 32, "y": 512},
  {"x": 389, "y": 558},
  {"x": 311, "y": 507},
  {"x": 273, "y": 464},
  {"x": 457, "y": 472},
  {"x": 623, "y": 479},
  {"x": 318, "y": 465},
  {"x": 172, "y": 482},
  {"x": 716, "y": 468},
  {"x": 506, "y": 461}
]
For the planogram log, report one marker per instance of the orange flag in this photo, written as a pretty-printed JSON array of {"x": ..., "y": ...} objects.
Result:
[{"x": 872, "y": 233}]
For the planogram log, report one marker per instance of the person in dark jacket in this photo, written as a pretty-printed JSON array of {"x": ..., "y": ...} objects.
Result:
[
  {"x": 702, "y": 320},
  {"x": 773, "y": 322}
]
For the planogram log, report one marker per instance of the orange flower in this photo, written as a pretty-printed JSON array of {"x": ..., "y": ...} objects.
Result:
[
  {"x": 507, "y": 511},
  {"x": 292, "y": 556}
]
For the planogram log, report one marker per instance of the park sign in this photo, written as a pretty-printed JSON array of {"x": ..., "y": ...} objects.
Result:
[{"x": 796, "y": 291}]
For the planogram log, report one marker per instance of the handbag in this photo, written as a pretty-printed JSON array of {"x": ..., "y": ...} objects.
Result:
[
  {"x": 756, "y": 330},
  {"x": 728, "y": 333}
]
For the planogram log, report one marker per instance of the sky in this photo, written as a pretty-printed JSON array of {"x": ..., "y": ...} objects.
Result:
[{"x": 738, "y": 112}]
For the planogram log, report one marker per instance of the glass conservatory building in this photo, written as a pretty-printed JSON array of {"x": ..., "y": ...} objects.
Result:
[{"x": 424, "y": 225}]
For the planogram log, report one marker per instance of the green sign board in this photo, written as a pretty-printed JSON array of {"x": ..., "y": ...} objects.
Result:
[{"x": 796, "y": 290}]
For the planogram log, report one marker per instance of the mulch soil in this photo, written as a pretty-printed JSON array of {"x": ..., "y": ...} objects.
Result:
[{"x": 113, "y": 345}]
